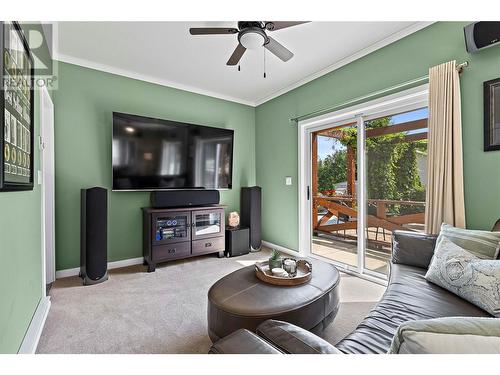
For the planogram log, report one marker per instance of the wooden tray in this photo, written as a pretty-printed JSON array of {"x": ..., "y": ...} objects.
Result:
[{"x": 304, "y": 274}]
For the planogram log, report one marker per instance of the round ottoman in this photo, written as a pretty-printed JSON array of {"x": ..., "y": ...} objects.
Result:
[{"x": 241, "y": 300}]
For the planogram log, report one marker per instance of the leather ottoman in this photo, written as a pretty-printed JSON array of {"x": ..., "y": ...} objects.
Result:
[{"x": 241, "y": 300}]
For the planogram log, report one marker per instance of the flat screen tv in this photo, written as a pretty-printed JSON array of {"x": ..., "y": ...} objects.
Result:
[{"x": 154, "y": 154}]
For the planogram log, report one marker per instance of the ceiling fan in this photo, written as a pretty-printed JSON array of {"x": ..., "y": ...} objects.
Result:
[{"x": 251, "y": 35}]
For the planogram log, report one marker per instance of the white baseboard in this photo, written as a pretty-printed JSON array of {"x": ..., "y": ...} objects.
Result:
[
  {"x": 111, "y": 265},
  {"x": 32, "y": 336},
  {"x": 281, "y": 248},
  {"x": 134, "y": 261}
]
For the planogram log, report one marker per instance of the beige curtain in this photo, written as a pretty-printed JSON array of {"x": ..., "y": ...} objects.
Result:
[{"x": 445, "y": 185}]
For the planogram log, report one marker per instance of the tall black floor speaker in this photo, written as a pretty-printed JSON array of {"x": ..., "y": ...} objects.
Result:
[
  {"x": 250, "y": 207},
  {"x": 93, "y": 237}
]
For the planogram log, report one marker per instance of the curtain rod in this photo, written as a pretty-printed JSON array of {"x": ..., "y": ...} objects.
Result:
[{"x": 295, "y": 120}]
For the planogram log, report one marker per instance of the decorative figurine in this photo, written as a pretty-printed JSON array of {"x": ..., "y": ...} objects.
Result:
[{"x": 233, "y": 220}]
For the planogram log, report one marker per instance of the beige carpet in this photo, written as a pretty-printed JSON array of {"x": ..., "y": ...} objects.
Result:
[{"x": 165, "y": 311}]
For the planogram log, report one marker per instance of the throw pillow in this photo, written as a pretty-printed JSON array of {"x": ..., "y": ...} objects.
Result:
[
  {"x": 481, "y": 243},
  {"x": 464, "y": 274},
  {"x": 455, "y": 335}
]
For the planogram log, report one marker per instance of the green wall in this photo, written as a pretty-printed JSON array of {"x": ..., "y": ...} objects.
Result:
[
  {"x": 20, "y": 256},
  {"x": 20, "y": 259},
  {"x": 408, "y": 58},
  {"x": 86, "y": 99}
]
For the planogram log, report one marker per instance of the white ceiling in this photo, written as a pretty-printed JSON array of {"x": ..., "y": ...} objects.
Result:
[{"x": 165, "y": 53}]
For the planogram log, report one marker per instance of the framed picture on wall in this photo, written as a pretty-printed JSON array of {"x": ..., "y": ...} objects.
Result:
[
  {"x": 492, "y": 115},
  {"x": 16, "y": 102}
]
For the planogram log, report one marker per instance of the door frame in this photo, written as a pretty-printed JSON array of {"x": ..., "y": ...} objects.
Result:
[
  {"x": 48, "y": 262},
  {"x": 403, "y": 101}
]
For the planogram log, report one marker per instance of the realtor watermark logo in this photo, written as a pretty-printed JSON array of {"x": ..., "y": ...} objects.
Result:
[{"x": 18, "y": 66}]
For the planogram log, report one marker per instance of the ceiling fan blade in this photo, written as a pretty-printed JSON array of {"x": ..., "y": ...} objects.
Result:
[
  {"x": 212, "y": 30},
  {"x": 236, "y": 56},
  {"x": 278, "y": 25},
  {"x": 278, "y": 49}
]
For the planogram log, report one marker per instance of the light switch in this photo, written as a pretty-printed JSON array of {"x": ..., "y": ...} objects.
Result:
[
  {"x": 39, "y": 177},
  {"x": 288, "y": 180}
]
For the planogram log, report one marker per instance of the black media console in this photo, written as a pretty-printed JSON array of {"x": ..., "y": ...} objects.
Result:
[{"x": 177, "y": 233}]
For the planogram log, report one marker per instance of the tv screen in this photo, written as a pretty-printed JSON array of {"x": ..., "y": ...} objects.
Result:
[{"x": 154, "y": 154}]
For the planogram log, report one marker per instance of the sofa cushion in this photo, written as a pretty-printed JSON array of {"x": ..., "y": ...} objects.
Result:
[
  {"x": 243, "y": 341},
  {"x": 462, "y": 273},
  {"x": 481, "y": 243},
  {"x": 450, "y": 335},
  {"x": 413, "y": 248},
  {"x": 408, "y": 297},
  {"x": 292, "y": 339}
]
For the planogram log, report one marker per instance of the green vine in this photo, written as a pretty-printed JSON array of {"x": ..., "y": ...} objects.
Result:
[{"x": 392, "y": 167}]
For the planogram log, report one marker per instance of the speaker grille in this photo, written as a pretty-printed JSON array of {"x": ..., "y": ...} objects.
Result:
[
  {"x": 184, "y": 198},
  {"x": 94, "y": 232},
  {"x": 486, "y": 33},
  {"x": 250, "y": 208}
]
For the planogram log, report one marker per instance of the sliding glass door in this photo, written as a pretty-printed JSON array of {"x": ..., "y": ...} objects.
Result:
[
  {"x": 396, "y": 171},
  {"x": 334, "y": 202},
  {"x": 366, "y": 178}
]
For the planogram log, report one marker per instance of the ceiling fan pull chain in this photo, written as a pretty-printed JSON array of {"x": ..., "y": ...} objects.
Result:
[{"x": 264, "y": 63}]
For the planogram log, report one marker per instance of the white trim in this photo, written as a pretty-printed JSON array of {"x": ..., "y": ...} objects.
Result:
[
  {"x": 361, "y": 193},
  {"x": 400, "y": 101},
  {"x": 417, "y": 26},
  {"x": 365, "y": 276},
  {"x": 281, "y": 248},
  {"x": 146, "y": 78},
  {"x": 305, "y": 205},
  {"x": 111, "y": 265},
  {"x": 32, "y": 336},
  {"x": 45, "y": 98}
]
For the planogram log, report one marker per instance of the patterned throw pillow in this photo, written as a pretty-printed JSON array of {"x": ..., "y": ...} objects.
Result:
[
  {"x": 481, "y": 243},
  {"x": 464, "y": 274}
]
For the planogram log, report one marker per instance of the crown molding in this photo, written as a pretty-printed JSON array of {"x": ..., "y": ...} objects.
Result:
[
  {"x": 163, "y": 82},
  {"x": 146, "y": 78},
  {"x": 355, "y": 56}
]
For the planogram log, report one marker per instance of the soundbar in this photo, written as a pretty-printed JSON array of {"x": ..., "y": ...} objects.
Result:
[{"x": 184, "y": 198}]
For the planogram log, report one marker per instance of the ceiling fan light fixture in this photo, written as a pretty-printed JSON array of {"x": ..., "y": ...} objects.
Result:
[
  {"x": 252, "y": 35},
  {"x": 252, "y": 39}
]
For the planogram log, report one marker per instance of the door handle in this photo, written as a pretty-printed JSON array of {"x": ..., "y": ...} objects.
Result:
[{"x": 308, "y": 193}]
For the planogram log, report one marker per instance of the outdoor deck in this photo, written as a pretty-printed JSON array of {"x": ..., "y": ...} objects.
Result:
[
  {"x": 335, "y": 230},
  {"x": 345, "y": 251}
]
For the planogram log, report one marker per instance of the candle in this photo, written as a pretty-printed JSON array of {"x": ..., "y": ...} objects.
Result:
[{"x": 290, "y": 266}]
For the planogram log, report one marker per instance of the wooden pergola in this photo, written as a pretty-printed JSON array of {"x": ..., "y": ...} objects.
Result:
[{"x": 343, "y": 207}]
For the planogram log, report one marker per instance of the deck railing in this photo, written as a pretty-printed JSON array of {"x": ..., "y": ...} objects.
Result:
[{"x": 344, "y": 209}]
